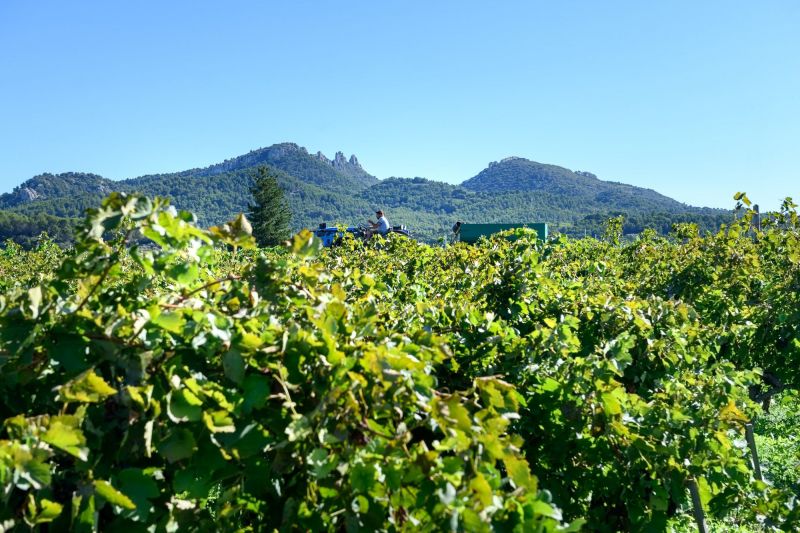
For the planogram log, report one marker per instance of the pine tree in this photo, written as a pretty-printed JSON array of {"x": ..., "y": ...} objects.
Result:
[{"x": 270, "y": 214}]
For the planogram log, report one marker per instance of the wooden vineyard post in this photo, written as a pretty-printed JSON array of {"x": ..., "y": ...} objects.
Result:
[
  {"x": 751, "y": 442},
  {"x": 697, "y": 507}
]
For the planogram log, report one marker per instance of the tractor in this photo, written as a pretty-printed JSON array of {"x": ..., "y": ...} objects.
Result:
[{"x": 333, "y": 235}]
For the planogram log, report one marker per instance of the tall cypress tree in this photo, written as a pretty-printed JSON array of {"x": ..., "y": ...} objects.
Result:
[{"x": 270, "y": 214}]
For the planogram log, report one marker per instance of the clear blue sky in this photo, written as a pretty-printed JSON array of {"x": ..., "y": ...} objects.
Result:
[{"x": 694, "y": 99}]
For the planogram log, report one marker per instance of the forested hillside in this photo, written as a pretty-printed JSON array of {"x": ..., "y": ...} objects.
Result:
[{"x": 341, "y": 191}]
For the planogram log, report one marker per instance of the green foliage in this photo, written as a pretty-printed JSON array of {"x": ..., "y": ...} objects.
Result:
[
  {"x": 163, "y": 375},
  {"x": 19, "y": 267},
  {"x": 269, "y": 214},
  {"x": 777, "y": 434},
  {"x": 165, "y": 389},
  {"x": 613, "y": 230}
]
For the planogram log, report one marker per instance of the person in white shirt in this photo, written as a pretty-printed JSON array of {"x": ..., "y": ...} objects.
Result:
[{"x": 381, "y": 226}]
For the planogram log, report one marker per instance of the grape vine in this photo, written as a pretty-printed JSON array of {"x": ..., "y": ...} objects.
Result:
[{"x": 163, "y": 376}]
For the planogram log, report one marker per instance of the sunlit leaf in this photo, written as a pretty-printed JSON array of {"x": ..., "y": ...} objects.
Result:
[
  {"x": 112, "y": 495},
  {"x": 87, "y": 388}
]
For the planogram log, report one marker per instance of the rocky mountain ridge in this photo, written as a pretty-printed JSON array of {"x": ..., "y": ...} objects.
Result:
[{"x": 340, "y": 190}]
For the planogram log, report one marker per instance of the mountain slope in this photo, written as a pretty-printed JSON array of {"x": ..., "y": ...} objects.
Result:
[
  {"x": 339, "y": 174},
  {"x": 519, "y": 174},
  {"x": 319, "y": 188},
  {"x": 50, "y": 186},
  {"x": 218, "y": 198},
  {"x": 341, "y": 191}
]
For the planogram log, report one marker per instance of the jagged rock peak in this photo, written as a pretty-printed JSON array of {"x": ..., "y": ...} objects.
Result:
[{"x": 340, "y": 162}]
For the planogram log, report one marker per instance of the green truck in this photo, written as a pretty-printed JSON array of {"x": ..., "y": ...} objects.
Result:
[{"x": 472, "y": 232}]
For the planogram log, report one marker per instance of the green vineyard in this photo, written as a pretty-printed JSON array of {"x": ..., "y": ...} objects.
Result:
[{"x": 162, "y": 377}]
